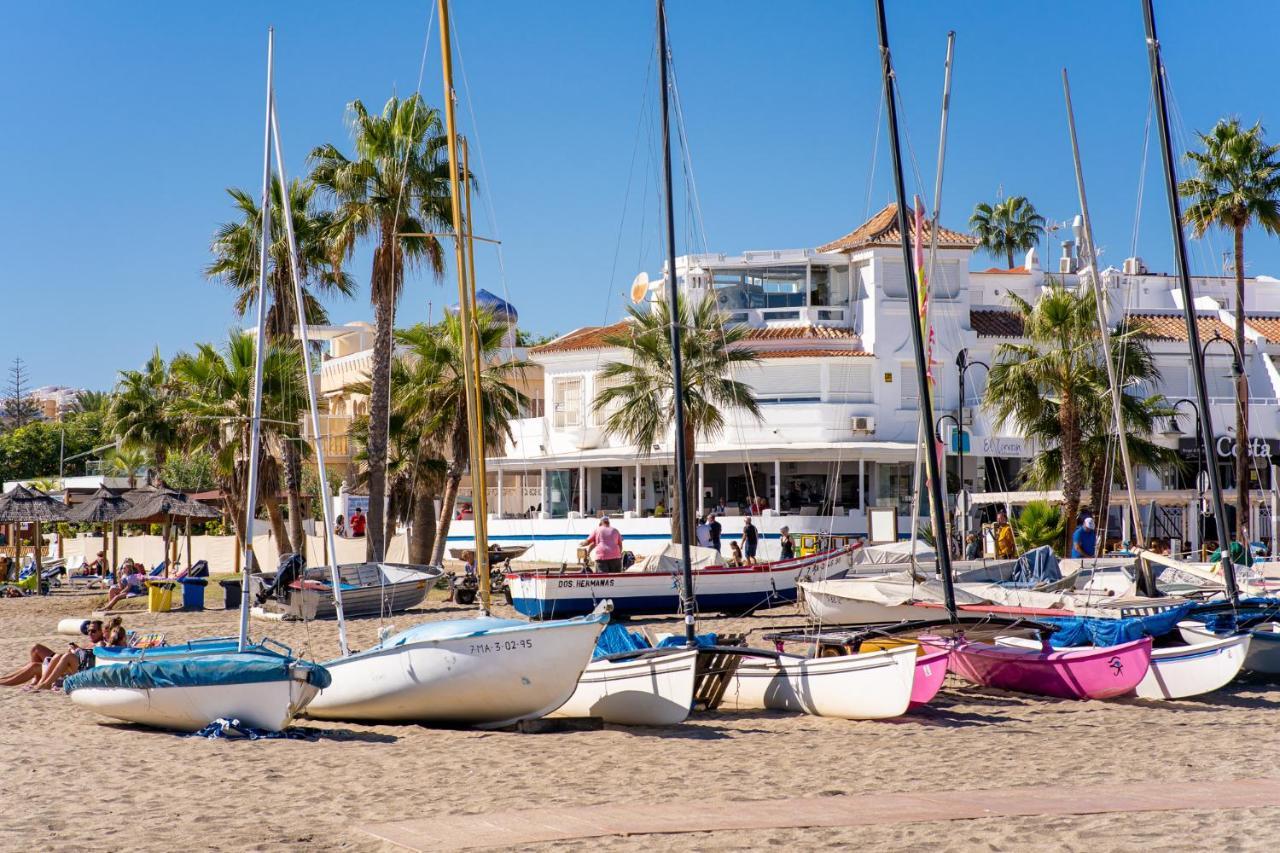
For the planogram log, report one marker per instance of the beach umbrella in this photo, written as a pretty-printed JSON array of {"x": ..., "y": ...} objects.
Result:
[
  {"x": 162, "y": 506},
  {"x": 103, "y": 507},
  {"x": 22, "y": 505}
]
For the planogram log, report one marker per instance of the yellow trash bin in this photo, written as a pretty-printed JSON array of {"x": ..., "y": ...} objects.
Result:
[{"x": 160, "y": 596}]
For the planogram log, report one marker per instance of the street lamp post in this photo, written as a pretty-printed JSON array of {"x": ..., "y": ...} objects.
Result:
[
  {"x": 937, "y": 434},
  {"x": 963, "y": 364},
  {"x": 1242, "y": 483},
  {"x": 1200, "y": 452}
]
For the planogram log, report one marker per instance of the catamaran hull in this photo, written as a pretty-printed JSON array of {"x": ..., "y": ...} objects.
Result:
[
  {"x": 1086, "y": 674},
  {"x": 1177, "y": 672},
  {"x": 839, "y": 610},
  {"x": 1263, "y": 656},
  {"x": 485, "y": 681},
  {"x": 555, "y": 595},
  {"x": 270, "y": 705},
  {"x": 931, "y": 671},
  {"x": 654, "y": 690},
  {"x": 869, "y": 686}
]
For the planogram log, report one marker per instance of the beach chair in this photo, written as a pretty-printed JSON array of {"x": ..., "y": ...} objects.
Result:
[
  {"x": 158, "y": 571},
  {"x": 199, "y": 570}
]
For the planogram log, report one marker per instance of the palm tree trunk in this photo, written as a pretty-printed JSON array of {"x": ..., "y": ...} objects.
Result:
[
  {"x": 690, "y": 511},
  {"x": 422, "y": 536},
  {"x": 393, "y": 512},
  {"x": 1242, "y": 402},
  {"x": 272, "y": 503},
  {"x": 293, "y": 491},
  {"x": 379, "y": 411},
  {"x": 1008, "y": 253},
  {"x": 446, "y": 515},
  {"x": 1072, "y": 470}
]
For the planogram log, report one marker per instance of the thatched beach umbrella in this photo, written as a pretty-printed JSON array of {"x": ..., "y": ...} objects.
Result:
[
  {"x": 21, "y": 505},
  {"x": 164, "y": 505},
  {"x": 103, "y": 507}
]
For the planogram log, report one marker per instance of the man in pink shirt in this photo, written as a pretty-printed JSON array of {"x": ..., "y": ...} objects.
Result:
[{"x": 607, "y": 542}]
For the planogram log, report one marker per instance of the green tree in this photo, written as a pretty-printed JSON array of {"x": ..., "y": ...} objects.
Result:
[
  {"x": 142, "y": 415},
  {"x": 191, "y": 471},
  {"x": 216, "y": 402},
  {"x": 91, "y": 401},
  {"x": 392, "y": 192},
  {"x": 37, "y": 449},
  {"x": 638, "y": 397},
  {"x": 1038, "y": 525},
  {"x": 236, "y": 249},
  {"x": 432, "y": 400},
  {"x": 126, "y": 462},
  {"x": 1236, "y": 185},
  {"x": 1007, "y": 227},
  {"x": 19, "y": 409}
]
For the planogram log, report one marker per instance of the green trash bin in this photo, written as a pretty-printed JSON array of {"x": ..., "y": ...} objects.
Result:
[{"x": 193, "y": 593}]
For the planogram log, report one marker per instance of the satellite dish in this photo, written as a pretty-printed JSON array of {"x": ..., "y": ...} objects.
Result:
[{"x": 640, "y": 287}]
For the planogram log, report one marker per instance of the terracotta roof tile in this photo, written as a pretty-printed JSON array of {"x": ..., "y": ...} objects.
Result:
[
  {"x": 1003, "y": 271},
  {"x": 588, "y": 337},
  {"x": 592, "y": 337},
  {"x": 1268, "y": 327},
  {"x": 882, "y": 230},
  {"x": 1173, "y": 327},
  {"x": 813, "y": 353},
  {"x": 789, "y": 333},
  {"x": 995, "y": 323}
]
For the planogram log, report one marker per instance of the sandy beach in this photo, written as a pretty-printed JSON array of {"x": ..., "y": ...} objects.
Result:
[{"x": 73, "y": 780}]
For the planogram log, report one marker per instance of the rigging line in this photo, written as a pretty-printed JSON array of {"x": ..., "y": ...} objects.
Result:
[
  {"x": 1142, "y": 179},
  {"x": 875, "y": 150},
  {"x": 906, "y": 135}
]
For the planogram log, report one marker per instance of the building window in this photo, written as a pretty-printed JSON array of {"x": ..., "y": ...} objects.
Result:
[
  {"x": 566, "y": 401},
  {"x": 600, "y": 417},
  {"x": 895, "y": 487},
  {"x": 910, "y": 386}
]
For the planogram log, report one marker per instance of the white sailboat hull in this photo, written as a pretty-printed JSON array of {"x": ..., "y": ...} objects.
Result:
[
  {"x": 1178, "y": 672},
  {"x": 1263, "y": 655},
  {"x": 826, "y": 606},
  {"x": 653, "y": 690},
  {"x": 870, "y": 686},
  {"x": 270, "y": 705},
  {"x": 486, "y": 679}
]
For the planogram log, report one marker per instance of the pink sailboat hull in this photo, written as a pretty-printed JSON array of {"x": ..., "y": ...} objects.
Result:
[
  {"x": 1087, "y": 674},
  {"x": 931, "y": 671}
]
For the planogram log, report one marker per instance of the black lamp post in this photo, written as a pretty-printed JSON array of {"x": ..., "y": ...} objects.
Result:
[
  {"x": 1237, "y": 370},
  {"x": 937, "y": 434},
  {"x": 1200, "y": 451},
  {"x": 963, "y": 364}
]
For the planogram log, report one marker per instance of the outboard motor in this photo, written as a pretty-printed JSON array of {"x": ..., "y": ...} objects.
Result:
[{"x": 290, "y": 569}]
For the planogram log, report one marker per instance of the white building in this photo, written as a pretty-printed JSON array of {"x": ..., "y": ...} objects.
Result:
[{"x": 836, "y": 379}]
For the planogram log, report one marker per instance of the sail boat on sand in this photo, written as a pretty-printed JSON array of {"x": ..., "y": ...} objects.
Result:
[
  {"x": 261, "y": 685},
  {"x": 483, "y": 671}
]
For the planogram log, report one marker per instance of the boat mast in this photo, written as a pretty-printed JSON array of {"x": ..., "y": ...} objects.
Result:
[
  {"x": 326, "y": 501},
  {"x": 677, "y": 367},
  {"x": 259, "y": 351},
  {"x": 917, "y": 338},
  {"x": 479, "y": 496},
  {"x": 466, "y": 316},
  {"x": 1100, "y": 304},
  {"x": 1188, "y": 297}
]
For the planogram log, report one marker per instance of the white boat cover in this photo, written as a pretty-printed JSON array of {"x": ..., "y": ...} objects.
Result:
[
  {"x": 669, "y": 559},
  {"x": 891, "y": 590},
  {"x": 894, "y": 552}
]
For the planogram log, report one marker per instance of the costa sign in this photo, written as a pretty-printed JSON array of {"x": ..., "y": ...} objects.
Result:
[{"x": 1258, "y": 448}]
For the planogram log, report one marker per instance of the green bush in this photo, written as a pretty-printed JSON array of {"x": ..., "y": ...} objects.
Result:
[{"x": 1038, "y": 524}]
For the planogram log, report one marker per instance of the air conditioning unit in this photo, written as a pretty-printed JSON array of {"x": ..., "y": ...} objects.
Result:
[
  {"x": 862, "y": 423},
  {"x": 1134, "y": 266}
]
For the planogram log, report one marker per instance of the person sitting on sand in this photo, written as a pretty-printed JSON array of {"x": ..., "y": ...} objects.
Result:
[
  {"x": 132, "y": 580},
  {"x": 78, "y": 658},
  {"x": 44, "y": 658}
]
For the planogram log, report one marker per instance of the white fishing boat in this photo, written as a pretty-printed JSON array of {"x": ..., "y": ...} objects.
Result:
[
  {"x": 653, "y": 586},
  {"x": 485, "y": 672},
  {"x": 869, "y": 686},
  {"x": 1263, "y": 655},
  {"x": 1178, "y": 672},
  {"x": 261, "y": 691},
  {"x": 650, "y": 687}
]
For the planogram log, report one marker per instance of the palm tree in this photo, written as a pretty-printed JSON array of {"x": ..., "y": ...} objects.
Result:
[
  {"x": 639, "y": 393},
  {"x": 1007, "y": 227},
  {"x": 141, "y": 415},
  {"x": 216, "y": 402},
  {"x": 1236, "y": 185},
  {"x": 1046, "y": 386},
  {"x": 394, "y": 191},
  {"x": 91, "y": 401},
  {"x": 236, "y": 247},
  {"x": 433, "y": 399},
  {"x": 126, "y": 462}
]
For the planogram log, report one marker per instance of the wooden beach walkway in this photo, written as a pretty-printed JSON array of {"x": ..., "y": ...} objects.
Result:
[{"x": 529, "y": 826}]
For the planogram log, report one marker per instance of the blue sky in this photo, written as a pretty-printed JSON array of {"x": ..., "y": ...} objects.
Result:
[{"x": 127, "y": 121}]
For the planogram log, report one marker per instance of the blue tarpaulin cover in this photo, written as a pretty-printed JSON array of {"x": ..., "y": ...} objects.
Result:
[
  {"x": 218, "y": 669},
  {"x": 1249, "y": 608},
  {"x": 616, "y": 640},
  {"x": 1037, "y": 566},
  {"x": 676, "y": 642},
  {"x": 1094, "y": 631}
]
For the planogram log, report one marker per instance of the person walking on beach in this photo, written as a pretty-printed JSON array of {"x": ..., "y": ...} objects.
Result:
[
  {"x": 786, "y": 545},
  {"x": 607, "y": 541},
  {"x": 750, "y": 540},
  {"x": 714, "y": 527},
  {"x": 1084, "y": 542},
  {"x": 1006, "y": 548},
  {"x": 358, "y": 523}
]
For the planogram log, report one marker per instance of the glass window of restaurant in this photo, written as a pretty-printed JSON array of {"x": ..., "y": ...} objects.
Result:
[
  {"x": 562, "y": 492},
  {"x": 776, "y": 289},
  {"x": 895, "y": 486}
]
